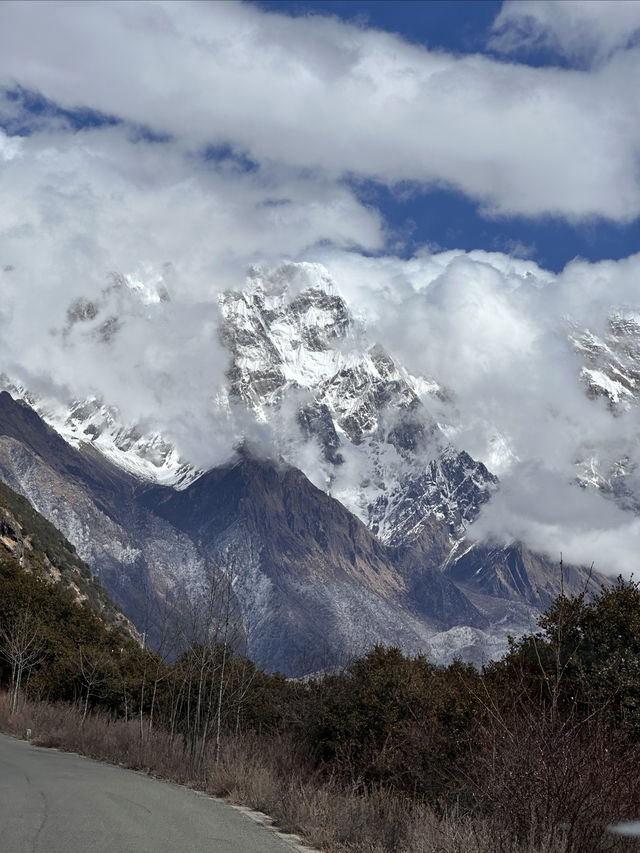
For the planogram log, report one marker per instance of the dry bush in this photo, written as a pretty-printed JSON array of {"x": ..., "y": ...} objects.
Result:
[
  {"x": 17, "y": 723},
  {"x": 540, "y": 786},
  {"x": 516, "y": 792}
]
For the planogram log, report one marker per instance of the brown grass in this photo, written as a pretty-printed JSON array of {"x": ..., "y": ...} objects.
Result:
[{"x": 275, "y": 776}]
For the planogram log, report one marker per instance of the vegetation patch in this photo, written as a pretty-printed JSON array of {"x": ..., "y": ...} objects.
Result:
[{"x": 537, "y": 753}]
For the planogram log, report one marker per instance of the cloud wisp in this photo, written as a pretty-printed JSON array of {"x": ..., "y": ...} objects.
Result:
[
  {"x": 587, "y": 32},
  {"x": 320, "y": 94}
]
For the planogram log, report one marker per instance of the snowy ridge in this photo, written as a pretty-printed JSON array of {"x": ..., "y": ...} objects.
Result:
[
  {"x": 92, "y": 421},
  {"x": 293, "y": 338},
  {"x": 611, "y": 371},
  {"x": 147, "y": 456},
  {"x": 612, "y": 367}
]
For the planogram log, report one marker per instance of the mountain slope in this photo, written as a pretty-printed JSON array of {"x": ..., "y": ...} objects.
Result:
[
  {"x": 513, "y": 573},
  {"x": 313, "y": 582},
  {"x": 41, "y": 549},
  {"x": 327, "y": 586},
  {"x": 94, "y": 505}
]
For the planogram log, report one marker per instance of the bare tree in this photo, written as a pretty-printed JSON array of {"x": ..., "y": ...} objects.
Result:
[
  {"x": 159, "y": 627},
  {"x": 93, "y": 666},
  {"x": 22, "y": 646},
  {"x": 211, "y": 629}
]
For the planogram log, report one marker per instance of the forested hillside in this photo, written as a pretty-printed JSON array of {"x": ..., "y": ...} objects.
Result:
[{"x": 39, "y": 547}]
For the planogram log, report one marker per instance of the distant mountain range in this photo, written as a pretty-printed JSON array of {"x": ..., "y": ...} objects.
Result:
[{"x": 375, "y": 549}]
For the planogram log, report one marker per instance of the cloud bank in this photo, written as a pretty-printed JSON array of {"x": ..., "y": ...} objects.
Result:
[
  {"x": 235, "y": 137},
  {"x": 320, "y": 94},
  {"x": 497, "y": 333}
]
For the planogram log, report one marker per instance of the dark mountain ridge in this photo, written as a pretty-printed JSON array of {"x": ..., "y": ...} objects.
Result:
[
  {"x": 311, "y": 552},
  {"x": 513, "y": 573},
  {"x": 313, "y": 584}
]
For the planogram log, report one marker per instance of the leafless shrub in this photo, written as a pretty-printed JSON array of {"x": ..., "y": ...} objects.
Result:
[
  {"x": 274, "y": 775},
  {"x": 22, "y": 646}
]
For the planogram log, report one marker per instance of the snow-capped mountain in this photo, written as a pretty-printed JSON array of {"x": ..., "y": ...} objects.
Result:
[
  {"x": 368, "y": 546},
  {"x": 611, "y": 371},
  {"x": 383, "y": 455},
  {"x": 339, "y": 407}
]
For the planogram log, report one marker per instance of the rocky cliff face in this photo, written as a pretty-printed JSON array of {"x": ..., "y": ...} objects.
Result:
[
  {"x": 612, "y": 361},
  {"x": 40, "y": 548},
  {"x": 385, "y": 457}
]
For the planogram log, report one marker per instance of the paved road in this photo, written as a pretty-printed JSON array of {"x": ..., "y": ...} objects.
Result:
[{"x": 55, "y": 802}]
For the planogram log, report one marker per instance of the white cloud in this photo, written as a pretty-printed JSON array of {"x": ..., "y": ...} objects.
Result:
[
  {"x": 10, "y": 146},
  {"x": 79, "y": 206},
  {"x": 540, "y": 508},
  {"x": 76, "y": 208},
  {"x": 316, "y": 93},
  {"x": 494, "y": 330},
  {"x": 310, "y": 101},
  {"x": 587, "y": 31}
]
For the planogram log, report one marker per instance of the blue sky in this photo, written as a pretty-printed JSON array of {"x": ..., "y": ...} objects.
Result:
[
  {"x": 449, "y": 219},
  {"x": 461, "y": 25}
]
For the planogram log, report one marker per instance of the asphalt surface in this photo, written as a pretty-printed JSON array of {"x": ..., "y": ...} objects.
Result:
[{"x": 56, "y": 802}]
